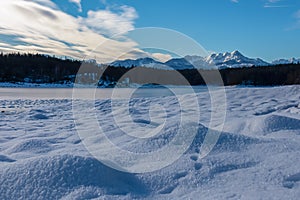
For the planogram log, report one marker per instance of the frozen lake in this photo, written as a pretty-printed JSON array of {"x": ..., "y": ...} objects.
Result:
[{"x": 87, "y": 93}]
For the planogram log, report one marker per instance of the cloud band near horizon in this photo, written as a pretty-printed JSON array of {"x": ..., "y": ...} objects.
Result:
[{"x": 40, "y": 26}]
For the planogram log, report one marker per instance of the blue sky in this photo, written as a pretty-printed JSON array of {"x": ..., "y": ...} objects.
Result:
[{"x": 268, "y": 29}]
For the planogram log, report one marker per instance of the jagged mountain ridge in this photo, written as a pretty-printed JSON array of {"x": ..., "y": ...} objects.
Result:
[
  {"x": 286, "y": 61},
  {"x": 234, "y": 59}
]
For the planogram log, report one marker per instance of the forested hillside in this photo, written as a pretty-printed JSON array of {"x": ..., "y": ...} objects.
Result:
[{"x": 36, "y": 68}]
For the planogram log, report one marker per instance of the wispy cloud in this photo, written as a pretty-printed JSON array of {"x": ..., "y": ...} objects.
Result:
[
  {"x": 47, "y": 3},
  {"x": 111, "y": 23},
  {"x": 161, "y": 57},
  {"x": 275, "y": 4},
  {"x": 234, "y": 1},
  {"x": 39, "y": 26},
  {"x": 78, "y": 4},
  {"x": 297, "y": 24},
  {"x": 297, "y": 14},
  {"x": 273, "y": 1}
]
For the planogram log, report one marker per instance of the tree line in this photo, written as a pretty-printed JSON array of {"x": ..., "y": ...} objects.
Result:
[{"x": 38, "y": 68}]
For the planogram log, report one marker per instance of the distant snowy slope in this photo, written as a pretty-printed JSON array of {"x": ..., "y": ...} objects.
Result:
[
  {"x": 286, "y": 61},
  {"x": 141, "y": 62},
  {"x": 180, "y": 63},
  {"x": 133, "y": 63}
]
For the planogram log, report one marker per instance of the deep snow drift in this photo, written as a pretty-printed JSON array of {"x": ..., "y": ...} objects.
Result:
[{"x": 256, "y": 157}]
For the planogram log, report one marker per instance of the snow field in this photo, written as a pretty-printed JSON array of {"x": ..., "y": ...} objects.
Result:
[{"x": 256, "y": 157}]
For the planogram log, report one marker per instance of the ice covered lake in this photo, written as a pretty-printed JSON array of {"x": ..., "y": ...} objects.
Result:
[
  {"x": 100, "y": 93},
  {"x": 42, "y": 156}
]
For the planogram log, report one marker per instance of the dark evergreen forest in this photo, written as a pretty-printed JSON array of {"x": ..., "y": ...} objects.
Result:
[{"x": 37, "y": 68}]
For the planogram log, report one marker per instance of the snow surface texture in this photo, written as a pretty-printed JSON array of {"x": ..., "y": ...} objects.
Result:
[{"x": 256, "y": 157}]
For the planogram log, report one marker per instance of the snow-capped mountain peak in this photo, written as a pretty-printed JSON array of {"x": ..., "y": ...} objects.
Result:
[
  {"x": 237, "y": 53},
  {"x": 233, "y": 59},
  {"x": 133, "y": 63},
  {"x": 286, "y": 61}
]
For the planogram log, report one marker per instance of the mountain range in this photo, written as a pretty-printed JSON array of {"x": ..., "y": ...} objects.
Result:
[{"x": 234, "y": 59}]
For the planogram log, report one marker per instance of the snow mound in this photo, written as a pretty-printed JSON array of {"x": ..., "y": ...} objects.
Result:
[
  {"x": 37, "y": 114},
  {"x": 267, "y": 125},
  {"x": 59, "y": 176},
  {"x": 4, "y": 158},
  {"x": 292, "y": 180},
  {"x": 276, "y": 123},
  {"x": 31, "y": 145},
  {"x": 226, "y": 141}
]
